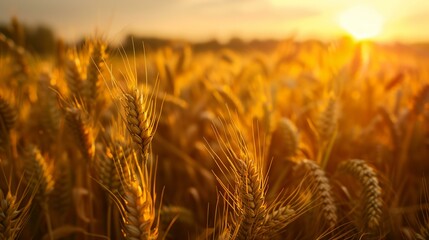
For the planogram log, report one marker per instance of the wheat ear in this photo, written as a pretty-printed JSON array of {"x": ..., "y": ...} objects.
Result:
[
  {"x": 77, "y": 121},
  {"x": 19, "y": 55},
  {"x": 73, "y": 74},
  {"x": 40, "y": 178},
  {"x": 391, "y": 125},
  {"x": 421, "y": 99},
  {"x": 284, "y": 142},
  {"x": 94, "y": 68},
  {"x": 140, "y": 121},
  {"x": 275, "y": 221},
  {"x": 327, "y": 121},
  {"x": 51, "y": 115},
  {"x": 10, "y": 216},
  {"x": 322, "y": 190},
  {"x": 38, "y": 174},
  {"x": 109, "y": 163},
  {"x": 252, "y": 199},
  {"x": 7, "y": 117},
  {"x": 138, "y": 211},
  {"x": 225, "y": 234},
  {"x": 371, "y": 199},
  {"x": 61, "y": 197}
]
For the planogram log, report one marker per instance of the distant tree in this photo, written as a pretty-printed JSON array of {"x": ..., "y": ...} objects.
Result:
[
  {"x": 41, "y": 40},
  {"x": 38, "y": 40},
  {"x": 133, "y": 42},
  {"x": 17, "y": 31},
  {"x": 4, "y": 29},
  {"x": 209, "y": 45},
  {"x": 264, "y": 45},
  {"x": 236, "y": 44}
]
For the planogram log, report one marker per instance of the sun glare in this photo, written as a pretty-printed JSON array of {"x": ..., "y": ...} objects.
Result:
[{"x": 362, "y": 22}]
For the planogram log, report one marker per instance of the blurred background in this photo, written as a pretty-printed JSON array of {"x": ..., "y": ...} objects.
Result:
[{"x": 223, "y": 20}]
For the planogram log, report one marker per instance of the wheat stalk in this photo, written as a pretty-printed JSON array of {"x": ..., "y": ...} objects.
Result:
[
  {"x": 424, "y": 233},
  {"x": 10, "y": 217},
  {"x": 247, "y": 198},
  {"x": 421, "y": 99},
  {"x": 61, "y": 198},
  {"x": 77, "y": 121},
  {"x": 170, "y": 213},
  {"x": 323, "y": 190},
  {"x": 73, "y": 74},
  {"x": 140, "y": 212},
  {"x": 327, "y": 121},
  {"x": 7, "y": 117},
  {"x": 40, "y": 178},
  {"x": 225, "y": 234},
  {"x": 140, "y": 120},
  {"x": 391, "y": 125},
  {"x": 39, "y": 174},
  {"x": 225, "y": 94},
  {"x": 50, "y": 112},
  {"x": 252, "y": 199},
  {"x": 109, "y": 165},
  {"x": 19, "y": 55},
  {"x": 94, "y": 68},
  {"x": 371, "y": 199},
  {"x": 137, "y": 207},
  {"x": 275, "y": 221},
  {"x": 284, "y": 142}
]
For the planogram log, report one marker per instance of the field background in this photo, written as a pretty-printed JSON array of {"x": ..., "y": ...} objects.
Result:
[{"x": 167, "y": 139}]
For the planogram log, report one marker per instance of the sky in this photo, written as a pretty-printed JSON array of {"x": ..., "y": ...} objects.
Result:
[{"x": 199, "y": 20}]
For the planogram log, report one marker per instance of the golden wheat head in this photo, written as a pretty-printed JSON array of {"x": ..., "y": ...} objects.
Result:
[
  {"x": 371, "y": 199},
  {"x": 322, "y": 189},
  {"x": 39, "y": 174},
  {"x": 285, "y": 140},
  {"x": 9, "y": 216},
  {"x": 140, "y": 119},
  {"x": 78, "y": 124}
]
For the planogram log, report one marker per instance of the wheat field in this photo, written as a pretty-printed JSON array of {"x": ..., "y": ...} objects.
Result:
[{"x": 309, "y": 140}]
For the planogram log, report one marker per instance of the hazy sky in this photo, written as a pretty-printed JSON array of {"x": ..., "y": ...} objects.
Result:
[{"x": 222, "y": 19}]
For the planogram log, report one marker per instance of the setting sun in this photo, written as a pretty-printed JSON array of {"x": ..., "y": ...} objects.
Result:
[{"x": 362, "y": 22}]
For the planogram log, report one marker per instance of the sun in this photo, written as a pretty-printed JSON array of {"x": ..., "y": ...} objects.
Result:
[{"x": 362, "y": 22}]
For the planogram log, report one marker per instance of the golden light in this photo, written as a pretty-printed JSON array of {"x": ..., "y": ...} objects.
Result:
[{"x": 362, "y": 22}]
